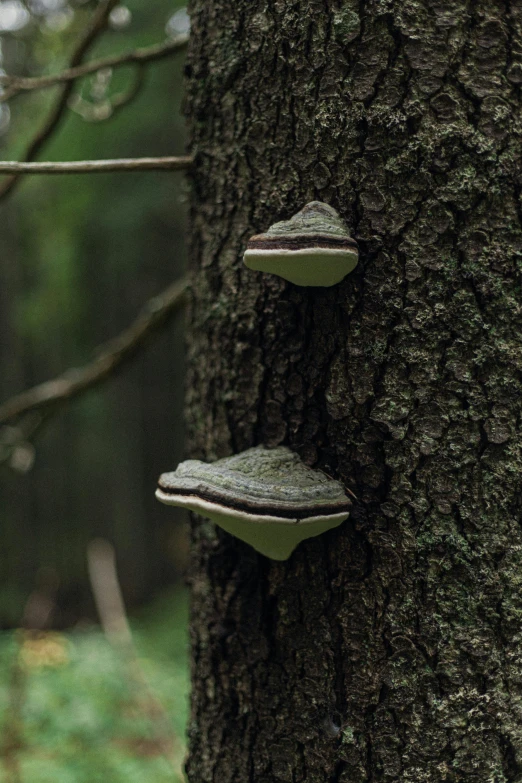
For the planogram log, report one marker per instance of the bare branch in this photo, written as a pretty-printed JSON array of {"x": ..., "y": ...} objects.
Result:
[
  {"x": 97, "y": 25},
  {"x": 96, "y": 166},
  {"x": 146, "y": 54},
  {"x": 108, "y": 360}
]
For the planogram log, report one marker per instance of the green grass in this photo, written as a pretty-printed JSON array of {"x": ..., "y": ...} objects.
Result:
[{"x": 72, "y": 710}]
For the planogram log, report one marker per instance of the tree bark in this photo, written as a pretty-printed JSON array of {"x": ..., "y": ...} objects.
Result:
[{"x": 389, "y": 649}]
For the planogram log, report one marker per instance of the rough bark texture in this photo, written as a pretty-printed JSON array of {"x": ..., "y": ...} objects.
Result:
[{"x": 390, "y": 649}]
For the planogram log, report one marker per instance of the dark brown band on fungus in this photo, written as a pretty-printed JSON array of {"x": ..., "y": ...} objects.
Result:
[
  {"x": 262, "y": 242},
  {"x": 265, "y": 511}
]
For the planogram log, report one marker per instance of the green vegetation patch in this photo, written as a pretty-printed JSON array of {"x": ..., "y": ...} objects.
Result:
[{"x": 73, "y": 708}]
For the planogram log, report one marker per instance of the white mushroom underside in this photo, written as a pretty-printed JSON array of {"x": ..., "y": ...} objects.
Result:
[
  {"x": 275, "y": 537},
  {"x": 306, "y": 266}
]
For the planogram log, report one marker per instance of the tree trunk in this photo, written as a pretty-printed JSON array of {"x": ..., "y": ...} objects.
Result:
[{"x": 389, "y": 649}]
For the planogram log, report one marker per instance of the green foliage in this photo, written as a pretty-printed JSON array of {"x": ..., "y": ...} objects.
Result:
[{"x": 83, "y": 717}]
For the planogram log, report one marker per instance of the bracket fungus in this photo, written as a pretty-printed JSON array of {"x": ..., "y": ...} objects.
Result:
[
  {"x": 313, "y": 248},
  {"x": 266, "y": 497}
]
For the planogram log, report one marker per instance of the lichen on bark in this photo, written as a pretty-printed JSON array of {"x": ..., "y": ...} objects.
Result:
[{"x": 391, "y": 649}]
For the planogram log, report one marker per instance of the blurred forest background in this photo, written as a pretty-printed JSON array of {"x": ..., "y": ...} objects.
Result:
[{"x": 79, "y": 256}]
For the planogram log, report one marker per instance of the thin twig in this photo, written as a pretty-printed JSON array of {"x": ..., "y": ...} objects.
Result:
[
  {"x": 97, "y": 25},
  {"x": 146, "y": 54},
  {"x": 109, "y": 359},
  {"x": 96, "y": 166},
  {"x": 106, "y": 589}
]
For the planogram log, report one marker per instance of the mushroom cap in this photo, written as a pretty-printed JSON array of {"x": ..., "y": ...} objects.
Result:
[
  {"x": 266, "y": 497},
  {"x": 313, "y": 248}
]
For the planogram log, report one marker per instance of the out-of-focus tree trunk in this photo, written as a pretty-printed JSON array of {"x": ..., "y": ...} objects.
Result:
[{"x": 389, "y": 649}]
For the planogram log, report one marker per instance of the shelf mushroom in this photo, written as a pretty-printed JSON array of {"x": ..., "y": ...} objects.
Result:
[
  {"x": 313, "y": 248},
  {"x": 266, "y": 497}
]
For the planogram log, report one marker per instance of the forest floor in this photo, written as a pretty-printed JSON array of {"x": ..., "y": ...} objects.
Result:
[{"x": 75, "y": 710}]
